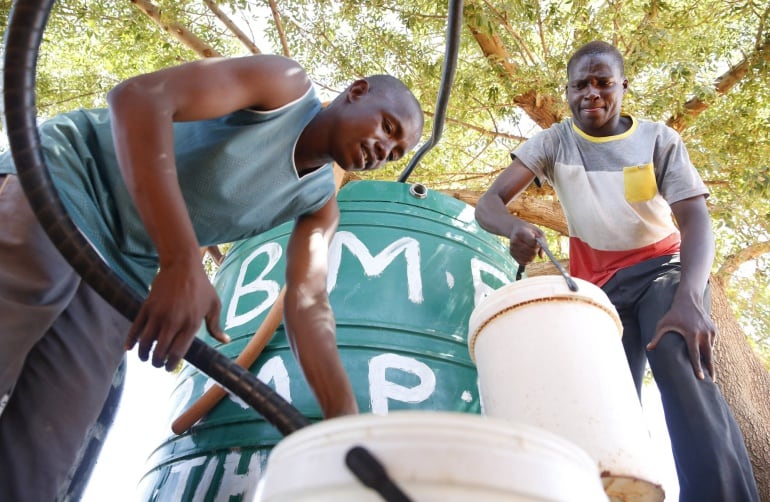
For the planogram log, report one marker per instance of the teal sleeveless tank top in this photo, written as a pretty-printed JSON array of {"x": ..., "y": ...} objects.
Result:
[{"x": 237, "y": 176}]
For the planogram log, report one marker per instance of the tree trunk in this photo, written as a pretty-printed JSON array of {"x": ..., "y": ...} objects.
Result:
[{"x": 745, "y": 384}]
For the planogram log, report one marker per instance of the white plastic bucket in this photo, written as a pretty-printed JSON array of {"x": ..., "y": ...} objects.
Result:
[
  {"x": 432, "y": 457},
  {"x": 553, "y": 358}
]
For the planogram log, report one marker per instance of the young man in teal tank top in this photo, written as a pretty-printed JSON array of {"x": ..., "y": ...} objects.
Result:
[
  {"x": 142, "y": 192},
  {"x": 619, "y": 179}
]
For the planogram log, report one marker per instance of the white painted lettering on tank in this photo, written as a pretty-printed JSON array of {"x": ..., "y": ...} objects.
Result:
[
  {"x": 381, "y": 390},
  {"x": 234, "y": 484},
  {"x": 210, "y": 486},
  {"x": 178, "y": 474},
  {"x": 375, "y": 265},
  {"x": 204, "y": 485},
  {"x": 274, "y": 369},
  {"x": 273, "y": 251},
  {"x": 480, "y": 288}
]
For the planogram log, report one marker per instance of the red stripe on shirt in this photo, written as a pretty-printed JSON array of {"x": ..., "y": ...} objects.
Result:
[{"x": 599, "y": 266}]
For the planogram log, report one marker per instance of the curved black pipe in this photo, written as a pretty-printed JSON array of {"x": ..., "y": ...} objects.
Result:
[
  {"x": 454, "y": 26},
  {"x": 23, "y": 35}
]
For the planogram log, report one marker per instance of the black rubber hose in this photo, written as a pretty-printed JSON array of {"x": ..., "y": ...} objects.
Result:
[
  {"x": 454, "y": 26},
  {"x": 23, "y": 36},
  {"x": 372, "y": 474}
]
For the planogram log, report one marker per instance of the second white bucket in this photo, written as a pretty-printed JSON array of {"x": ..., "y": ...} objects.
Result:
[
  {"x": 431, "y": 457},
  {"x": 553, "y": 358}
]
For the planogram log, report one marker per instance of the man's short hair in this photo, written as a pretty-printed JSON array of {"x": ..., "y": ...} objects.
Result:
[
  {"x": 595, "y": 48},
  {"x": 386, "y": 83}
]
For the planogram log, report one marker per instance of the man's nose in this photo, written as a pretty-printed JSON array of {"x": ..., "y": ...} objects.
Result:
[{"x": 382, "y": 148}]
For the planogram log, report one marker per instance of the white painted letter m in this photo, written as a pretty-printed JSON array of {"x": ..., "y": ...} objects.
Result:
[{"x": 374, "y": 265}]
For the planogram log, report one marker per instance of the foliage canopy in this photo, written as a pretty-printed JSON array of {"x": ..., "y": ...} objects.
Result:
[{"x": 701, "y": 65}]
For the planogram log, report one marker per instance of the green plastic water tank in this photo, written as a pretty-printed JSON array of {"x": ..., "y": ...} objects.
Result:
[{"x": 406, "y": 268}]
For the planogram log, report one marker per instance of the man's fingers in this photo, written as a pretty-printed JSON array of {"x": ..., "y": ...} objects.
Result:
[
  {"x": 178, "y": 349},
  {"x": 130, "y": 339},
  {"x": 151, "y": 331},
  {"x": 133, "y": 333},
  {"x": 212, "y": 325},
  {"x": 710, "y": 368},
  {"x": 146, "y": 341},
  {"x": 656, "y": 339},
  {"x": 159, "y": 353},
  {"x": 710, "y": 361},
  {"x": 220, "y": 335},
  {"x": 172, "y": 362},
  {"x": 694, "y": 351},
  {"x": 167, "y": 333},
  {"x": 707, "y": 356}
]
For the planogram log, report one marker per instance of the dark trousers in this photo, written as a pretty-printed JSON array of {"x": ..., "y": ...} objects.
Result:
[
  {"x": 710, "y": 456},
  {"x": 60, "y": 344}
]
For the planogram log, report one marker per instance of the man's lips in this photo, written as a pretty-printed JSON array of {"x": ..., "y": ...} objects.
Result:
[{"x": 366, "y": 158}]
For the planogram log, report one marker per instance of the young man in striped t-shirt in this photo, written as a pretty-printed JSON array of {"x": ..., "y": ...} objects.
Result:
[{"x": 619, "y": 179}]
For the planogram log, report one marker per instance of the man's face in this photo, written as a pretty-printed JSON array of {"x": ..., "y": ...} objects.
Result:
[
  {"x": 595, "y": 93},
  {"x": 376, "y": 128}
]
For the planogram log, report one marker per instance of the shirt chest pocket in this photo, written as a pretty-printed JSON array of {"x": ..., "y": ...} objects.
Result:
[{"x": 639, "y": 183}]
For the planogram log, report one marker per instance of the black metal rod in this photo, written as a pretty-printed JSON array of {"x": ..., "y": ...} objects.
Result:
[
  {"x": 454, "y": 26},
  {"x": 571, "y": 284},
  {"x": 23, "y": 35}
]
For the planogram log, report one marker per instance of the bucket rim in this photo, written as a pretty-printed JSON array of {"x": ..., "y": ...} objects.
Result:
[
  {"x": 384, "y": 426},
  {"x": 512, "y": 299},
  {"x": 446, "y": 439}
]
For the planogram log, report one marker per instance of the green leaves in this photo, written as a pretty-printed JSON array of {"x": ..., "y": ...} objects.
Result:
[{"x": 510, "y": 74}]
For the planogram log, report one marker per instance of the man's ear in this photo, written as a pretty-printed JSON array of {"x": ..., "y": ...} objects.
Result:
[{"x": 357, "y": 89}]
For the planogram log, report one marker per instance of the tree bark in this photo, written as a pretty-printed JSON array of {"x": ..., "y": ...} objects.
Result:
[
  {"x": 540, "y": 108},
  {"x": 176, "y": 30},
  {"x": 537, "y": 206},
  {"x": 745, "y": 384},
  {"x": 239, "y": 34},
  {"x": 279, "y": 28}
]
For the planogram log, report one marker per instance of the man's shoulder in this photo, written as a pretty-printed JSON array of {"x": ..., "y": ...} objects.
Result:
[
  {"x": 555, "y": 133},
  {"x": 561, "y": 127},
  {"x": 655, "y": 127}
]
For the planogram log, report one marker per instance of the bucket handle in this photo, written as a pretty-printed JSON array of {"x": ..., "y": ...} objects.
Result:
[
  {"x": 571, "y": 284},
  {"x": 372, "y": 474}
]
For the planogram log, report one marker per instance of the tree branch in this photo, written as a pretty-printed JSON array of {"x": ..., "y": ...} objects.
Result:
[
  {"x": 732, "y": 262},
  {"x": 279, "y": 27},
  {"x": 225, "y": 19},
  {"x": 540, "y": 108},
  {"x": 526, "y": 52},
  {"x": 492, "y": 47},
  {"x": 486, "y": 132},
  {"x": 531, "y": 206},
  {"x": 695, "y": 105},
  {"x": 176, "y": 30}
]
